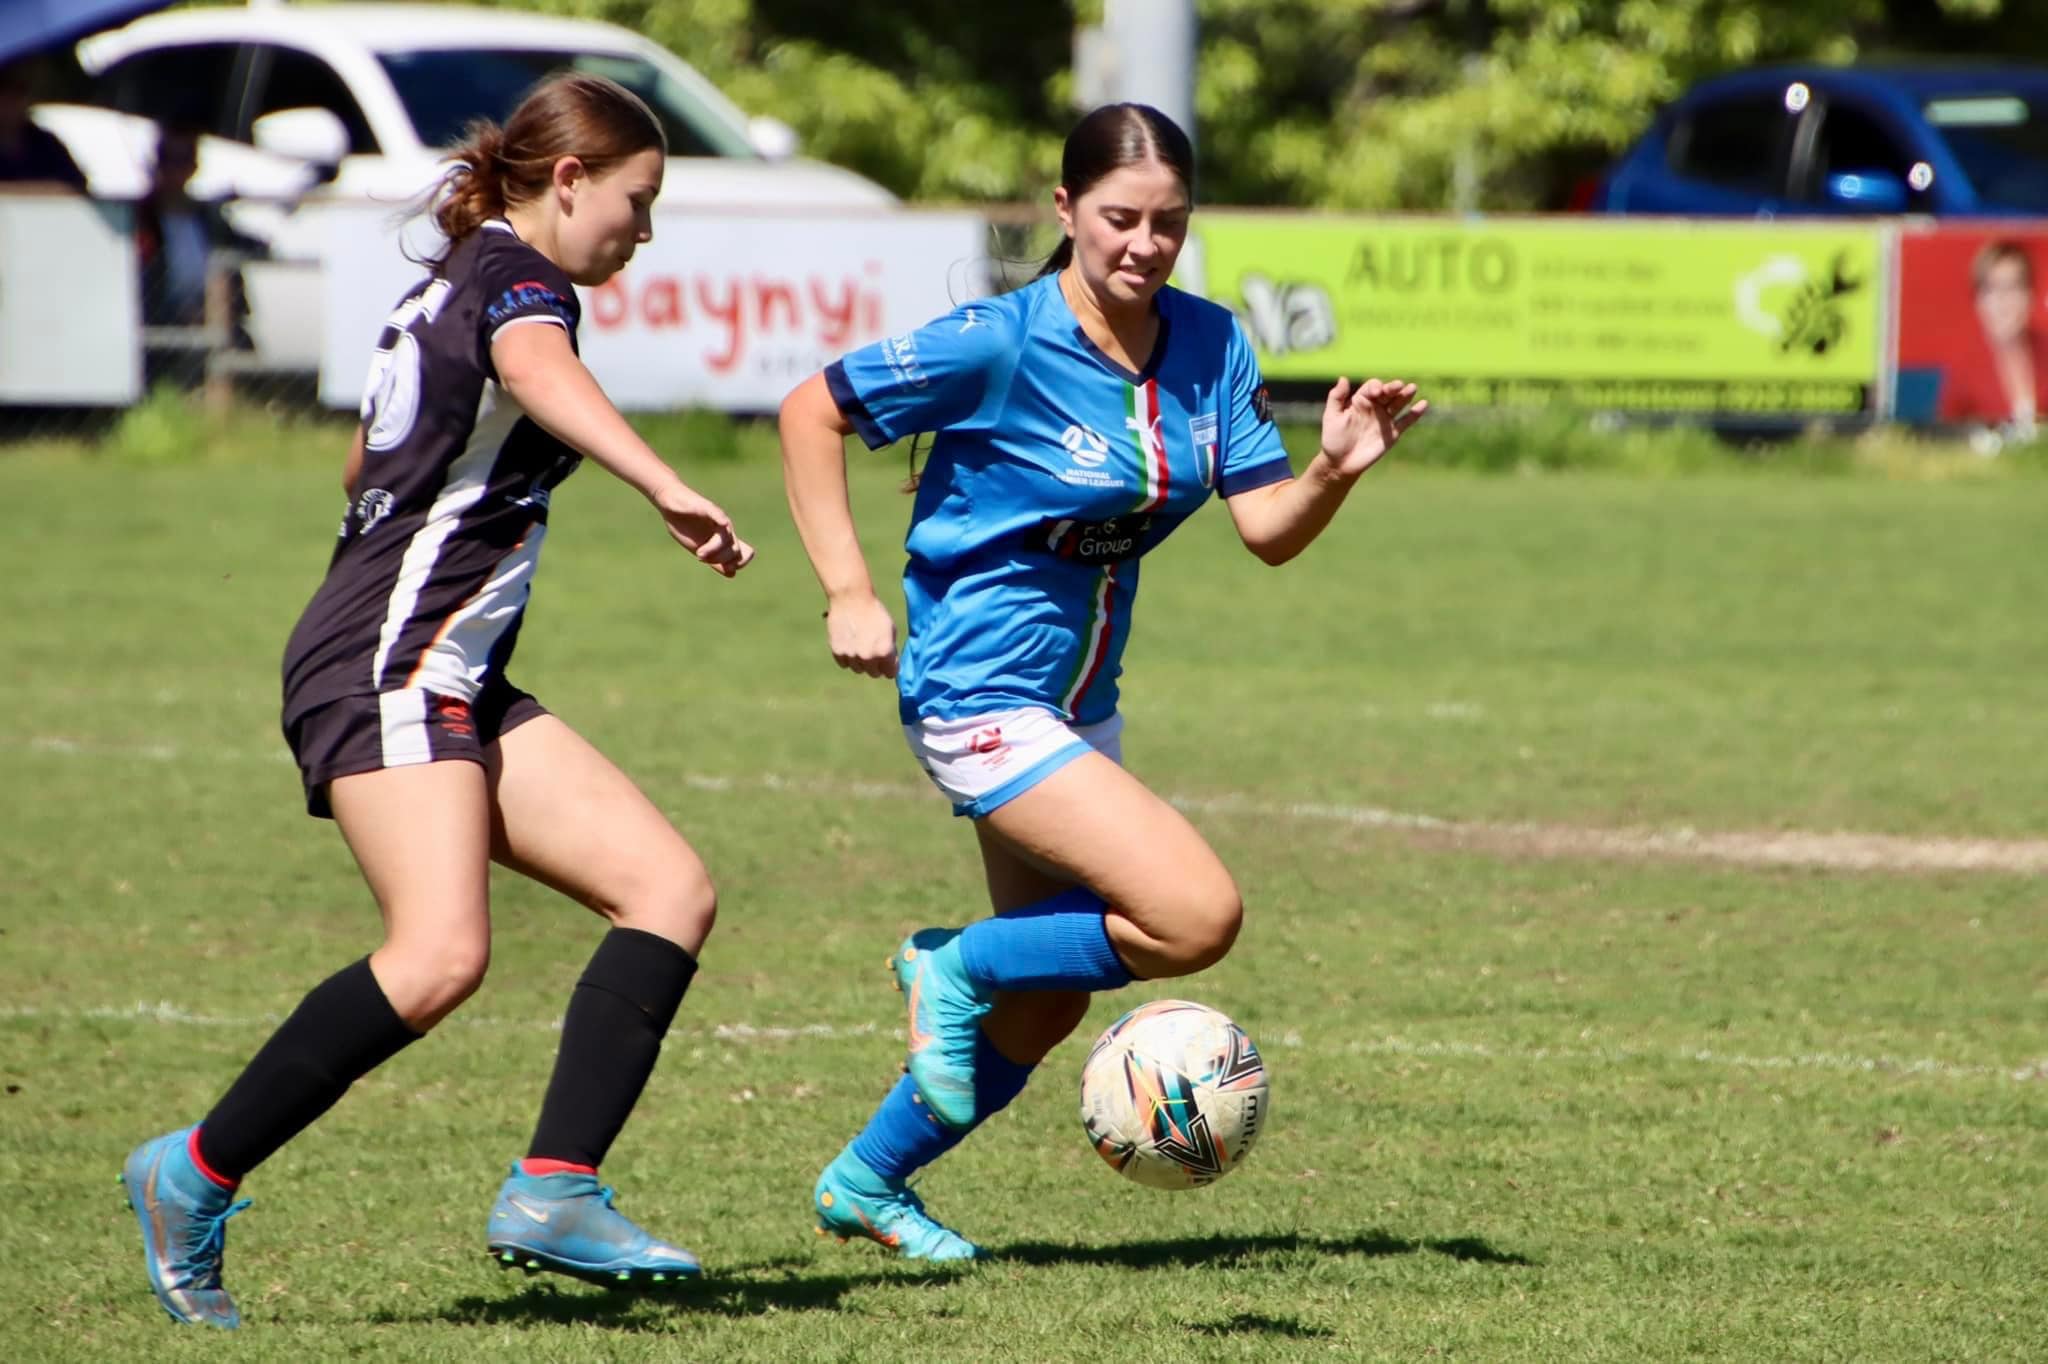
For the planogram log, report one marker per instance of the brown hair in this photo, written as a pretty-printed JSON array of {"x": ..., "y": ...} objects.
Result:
[
  {"x": 597, "y": 121},
  {"x": 1995, "y": 254},
  {"x": 1110, "y": 138}
]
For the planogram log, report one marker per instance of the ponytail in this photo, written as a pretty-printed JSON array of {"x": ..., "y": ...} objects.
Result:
[
  {"x": 473, "y": 191},
  {"x": 1062, "y": 256}
]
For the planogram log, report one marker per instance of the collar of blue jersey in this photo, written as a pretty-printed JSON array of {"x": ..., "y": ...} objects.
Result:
[{"x": 1152, "y": 361}]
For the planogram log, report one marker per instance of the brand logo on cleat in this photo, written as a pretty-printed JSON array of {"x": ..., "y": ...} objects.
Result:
[
  {"x": 536, "y": 1214},
  {"x": 919, "y": 1038}
]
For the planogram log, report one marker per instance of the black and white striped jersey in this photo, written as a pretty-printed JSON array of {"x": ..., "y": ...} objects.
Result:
[{"x": 437, "y": 550}]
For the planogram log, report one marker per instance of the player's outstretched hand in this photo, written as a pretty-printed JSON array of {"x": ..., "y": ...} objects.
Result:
[
  {"x": 1361, "y": 424},
  {"x": 862, "y": 635},
  {"x": 699, "y": 525}
]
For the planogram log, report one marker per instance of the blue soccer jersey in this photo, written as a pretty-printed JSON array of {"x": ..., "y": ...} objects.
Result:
[{"x": 1054, "y": 469}]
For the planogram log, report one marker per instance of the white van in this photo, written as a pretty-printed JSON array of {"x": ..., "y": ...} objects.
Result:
[{"x": 351, "y": 101}]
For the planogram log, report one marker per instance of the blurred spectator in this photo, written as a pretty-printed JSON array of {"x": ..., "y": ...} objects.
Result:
[
  {"x": 186, "y": 249},
  {"x": 29, "y": 153}
]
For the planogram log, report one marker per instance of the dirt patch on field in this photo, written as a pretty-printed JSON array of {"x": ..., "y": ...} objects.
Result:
[
  {"x": 1785, "y": 848},
  {"x": 1782, "y": 848}
]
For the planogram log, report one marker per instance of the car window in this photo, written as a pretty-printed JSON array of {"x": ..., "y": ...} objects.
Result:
[
  {"x": 1849, "y": 140},
  {"x": 190, "y": 85},
  {"x": 2002, "y": 143},
  {"x": 442, "y": 90},
  {"x": 1736, "y": 144},
  {"x": 1852, "y": 141},
  {"x": 286, "y": 78}
]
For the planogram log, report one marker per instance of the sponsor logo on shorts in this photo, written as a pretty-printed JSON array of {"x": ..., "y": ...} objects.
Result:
[
  {"x": 453, "y": 715},
  {"x": 990, "y": 746}
]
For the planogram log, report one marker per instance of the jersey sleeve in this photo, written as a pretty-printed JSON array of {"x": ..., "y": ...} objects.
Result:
[
  {"x": 940, "y": 375},
  {"x": 520, "y": 287},
  {"x": 1252, "y": 453}
]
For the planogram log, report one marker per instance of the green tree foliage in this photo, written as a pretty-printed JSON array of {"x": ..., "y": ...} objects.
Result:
[{"x": 1368, "y": 104}]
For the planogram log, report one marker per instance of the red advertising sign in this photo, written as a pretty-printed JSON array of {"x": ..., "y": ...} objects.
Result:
[{"x": 1973, "y": 326}]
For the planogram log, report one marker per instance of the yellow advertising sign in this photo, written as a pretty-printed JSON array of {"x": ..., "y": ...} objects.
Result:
[{"x": 1733, "y": 318}]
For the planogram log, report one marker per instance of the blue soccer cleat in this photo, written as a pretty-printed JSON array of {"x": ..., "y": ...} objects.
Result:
[
  {"x": 565, "y": 1223},
  {"x": 852, "y": 1200},
  {"x": 184, "y": 1216},
  {"x": 945, "y": 1009}
]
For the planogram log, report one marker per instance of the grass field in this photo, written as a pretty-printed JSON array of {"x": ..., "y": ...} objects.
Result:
[{"x": 1588, "y": 1042}]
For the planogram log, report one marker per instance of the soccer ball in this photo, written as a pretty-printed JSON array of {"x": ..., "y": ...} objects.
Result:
[{"x": 1173, "y": 1095}]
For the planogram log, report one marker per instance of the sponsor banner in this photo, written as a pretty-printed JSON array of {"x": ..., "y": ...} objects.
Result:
[
  {"x": 70, "y": 302},
  {"x": 1973, "y": 325},
  {"x": 726, "y": 311},
  {"x": 1742, "y": 319}
]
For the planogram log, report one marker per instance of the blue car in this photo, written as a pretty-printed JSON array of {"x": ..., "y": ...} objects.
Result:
[{"x": 1963, "y": 141}]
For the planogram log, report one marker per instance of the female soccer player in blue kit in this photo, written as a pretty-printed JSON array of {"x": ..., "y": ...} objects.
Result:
[
  {"x": 432, "y": 764},
  {"x": 1078, "y": 421}
]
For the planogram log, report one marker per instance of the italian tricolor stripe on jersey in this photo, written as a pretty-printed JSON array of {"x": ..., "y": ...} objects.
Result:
[
  {"x": 1096, "y": 641},
  {"x": 1151, "y": 439}
]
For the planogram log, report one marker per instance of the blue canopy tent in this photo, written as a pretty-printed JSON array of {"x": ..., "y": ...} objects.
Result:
[{"x": 31, "y": 26}]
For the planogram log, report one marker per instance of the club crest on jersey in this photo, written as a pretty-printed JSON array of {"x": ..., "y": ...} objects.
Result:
[
  {"x": 1203, "y": 431},
  {"x": 373, "y": 506}
]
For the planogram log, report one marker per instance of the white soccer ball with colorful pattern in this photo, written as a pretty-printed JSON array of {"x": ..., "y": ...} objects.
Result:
[{"x": 1173, "y": 1095}]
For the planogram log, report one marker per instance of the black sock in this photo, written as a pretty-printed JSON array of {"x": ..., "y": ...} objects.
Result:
[
  {"x": 344, "y": 1029},
  {"x": 618, "y": 1014}
]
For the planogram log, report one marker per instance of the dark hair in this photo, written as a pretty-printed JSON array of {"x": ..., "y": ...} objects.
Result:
[
  {"x": 1995, "y": 254},
  {"x": 595, "y": 120},
  {"x": 1108, "y": 139}
]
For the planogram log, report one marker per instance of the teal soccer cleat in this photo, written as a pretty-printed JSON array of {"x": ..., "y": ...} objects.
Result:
[
  {"x": 184, "y": 1216},
  {"x": 945, "y": 1009},
  {"x": 852, "y": 1200},
  {"x": 566, "y": 1224}
]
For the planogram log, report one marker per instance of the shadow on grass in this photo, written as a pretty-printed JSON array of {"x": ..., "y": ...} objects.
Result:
[
  {"x": 731, "y": 1292},
  {"x": 786, "y": 1284},
  {"x": 1229, "y": 1250},
  {"x": 1257, "y": 1324}
]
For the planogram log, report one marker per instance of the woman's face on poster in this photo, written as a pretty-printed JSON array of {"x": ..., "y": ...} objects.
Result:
[{"x": 2005, "y": 298}]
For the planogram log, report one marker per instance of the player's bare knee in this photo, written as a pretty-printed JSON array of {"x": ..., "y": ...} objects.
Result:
[
  {"x": 1202, "y": 929},
  {"x": 678, "y": 903},
  {"x": 428, "y": 981}
]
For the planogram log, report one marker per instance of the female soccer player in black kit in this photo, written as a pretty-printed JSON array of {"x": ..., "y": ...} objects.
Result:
[{"x": 409, "y": 736}]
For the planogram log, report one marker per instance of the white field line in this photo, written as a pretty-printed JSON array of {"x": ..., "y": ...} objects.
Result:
[
  {"x": 167, "y": 1014},
  {"x": 1780, "y": 848}
]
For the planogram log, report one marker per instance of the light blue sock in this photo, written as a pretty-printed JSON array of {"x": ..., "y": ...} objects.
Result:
[
  {"x": 1060, "y": 943},
  {"x": 903, "y": 1138}
]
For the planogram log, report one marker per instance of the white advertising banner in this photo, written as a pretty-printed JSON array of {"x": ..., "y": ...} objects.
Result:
[
  {"x": 720, "y": 310},
  {"x": 70, "y": 306}
]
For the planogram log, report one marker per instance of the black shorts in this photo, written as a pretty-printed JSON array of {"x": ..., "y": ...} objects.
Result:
[{"x": 400, "y": 729}]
